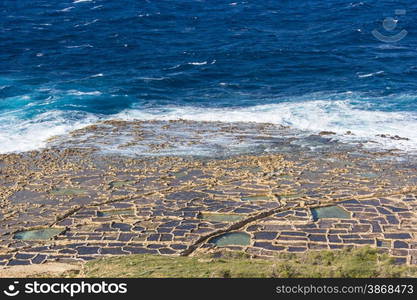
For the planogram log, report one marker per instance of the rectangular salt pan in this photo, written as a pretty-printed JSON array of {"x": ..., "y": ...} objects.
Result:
[
  {"x": 230, "y": 239},
  {"x": 38, "y": 234},
  {"x": 329, "y": 212}
]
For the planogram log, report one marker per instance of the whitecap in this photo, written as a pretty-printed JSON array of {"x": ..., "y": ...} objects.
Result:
[
  {"x": 356, "y": 4},
  {"x": 198, "y": 63},
  {"x": 79, "y": 46},
  {"x": 370, "y": 74},
  {"x": 87, "y": 23},
  {"x": 67, "y": 9},
  {"x": 80, "y": 93},
  {"x": 174, "y": 67},
  {"x": 152, "y": 78},
  {"x": 91, "y": 22}
]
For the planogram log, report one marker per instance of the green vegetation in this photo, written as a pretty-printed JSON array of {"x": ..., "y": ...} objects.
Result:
[{"x": 363, "y": 262}]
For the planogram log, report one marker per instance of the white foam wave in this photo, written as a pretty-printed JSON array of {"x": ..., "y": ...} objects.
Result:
[
  {"x": 370, "y": 74},
  {"x": 80, "y": 46},
  {"x": 89, "y": 23},
  {"x": 67, "y": 9},
  {"x": 312, "y": 116},
  {"x": 198, "y": 63},
  {"x": 18, "y": 135},
  {"x": 80, "y": 93}
]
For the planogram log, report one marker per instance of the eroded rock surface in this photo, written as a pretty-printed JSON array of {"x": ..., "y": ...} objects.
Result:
[{"x": 112, "y": 204}]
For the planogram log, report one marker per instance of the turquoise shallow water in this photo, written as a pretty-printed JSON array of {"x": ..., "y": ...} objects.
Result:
[
  {"x": 232, "y": 238},
  {"x": 314, "y": 65},
  {"x": 330, "y": 212},
  {"x": 38, "y": 234}
]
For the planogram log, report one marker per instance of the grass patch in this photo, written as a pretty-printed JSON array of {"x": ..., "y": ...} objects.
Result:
[{"x": 363, "y": 262}]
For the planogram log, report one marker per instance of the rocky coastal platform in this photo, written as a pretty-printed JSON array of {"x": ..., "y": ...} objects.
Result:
[{"x": 119, "y": 188}]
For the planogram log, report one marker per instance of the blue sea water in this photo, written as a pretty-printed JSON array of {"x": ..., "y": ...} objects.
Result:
[{"x": 313, "y": 64}]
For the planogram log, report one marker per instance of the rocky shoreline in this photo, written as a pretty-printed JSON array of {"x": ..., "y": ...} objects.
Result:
[{"x": 247, "y": 187}]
